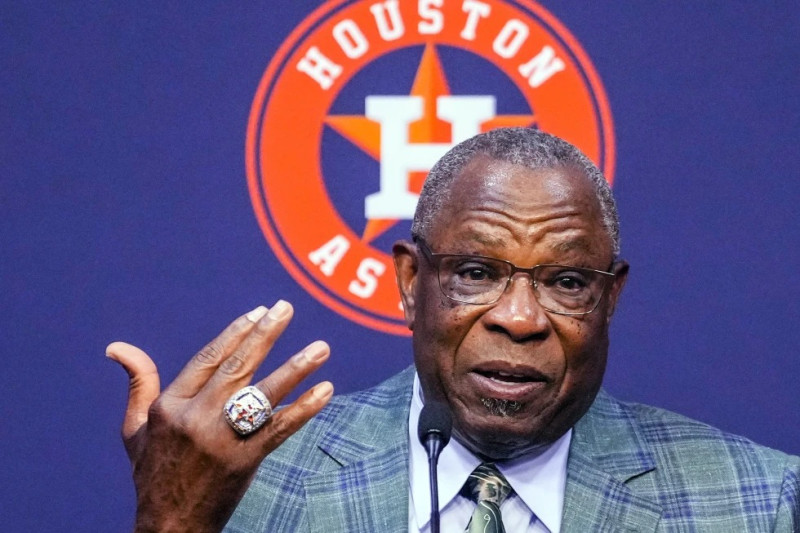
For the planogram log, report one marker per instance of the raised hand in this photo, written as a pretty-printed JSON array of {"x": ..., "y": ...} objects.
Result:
[{"x": 190, "y": 468}]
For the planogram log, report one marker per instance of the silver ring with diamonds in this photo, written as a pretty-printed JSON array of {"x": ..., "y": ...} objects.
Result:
[{"x": 247, "y": 410}]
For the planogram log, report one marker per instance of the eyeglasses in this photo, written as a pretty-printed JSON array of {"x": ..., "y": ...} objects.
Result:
[{"x": 479, "y": 280}]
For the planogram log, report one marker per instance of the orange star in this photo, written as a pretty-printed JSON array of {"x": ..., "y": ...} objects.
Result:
[{"x": 429, "y": 83}]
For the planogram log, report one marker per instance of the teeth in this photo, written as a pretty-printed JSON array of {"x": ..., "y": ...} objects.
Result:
[{"x": 505, "y": 377}]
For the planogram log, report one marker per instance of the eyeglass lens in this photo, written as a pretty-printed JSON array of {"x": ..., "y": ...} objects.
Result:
[{"x": 479, "y": 280}]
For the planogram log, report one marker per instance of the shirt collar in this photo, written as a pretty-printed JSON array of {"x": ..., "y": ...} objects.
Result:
[{"x": 539, "y": 480}]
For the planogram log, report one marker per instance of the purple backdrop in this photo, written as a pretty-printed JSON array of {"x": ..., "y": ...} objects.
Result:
[{"x": 126, "y": 216}]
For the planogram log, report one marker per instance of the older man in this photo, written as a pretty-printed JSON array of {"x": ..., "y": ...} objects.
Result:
[{"x": 509, "y": 287}]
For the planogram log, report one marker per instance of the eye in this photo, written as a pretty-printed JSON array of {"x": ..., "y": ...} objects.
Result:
[
  {"x": 475, "y": 272},
  {"x": 569, "y": 281}
]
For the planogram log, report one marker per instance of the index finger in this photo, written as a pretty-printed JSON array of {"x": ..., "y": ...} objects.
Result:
[{"x": 202, "y": 366}]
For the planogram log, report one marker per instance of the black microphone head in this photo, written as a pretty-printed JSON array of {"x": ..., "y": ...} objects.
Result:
[{"x": 435, "y": 420}]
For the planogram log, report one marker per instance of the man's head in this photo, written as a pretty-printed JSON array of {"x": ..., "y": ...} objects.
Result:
[
  {"x": 518, "y": 364},
  {"x": 526, "y": 147}
]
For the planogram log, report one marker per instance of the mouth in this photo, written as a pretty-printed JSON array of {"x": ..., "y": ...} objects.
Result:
[
  {"x": 512, "y": 384},
  {"x": 505, "y": 377}
]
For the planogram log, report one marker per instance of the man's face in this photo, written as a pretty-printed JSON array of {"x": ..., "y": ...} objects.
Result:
[{"x": 512, "y": 352}]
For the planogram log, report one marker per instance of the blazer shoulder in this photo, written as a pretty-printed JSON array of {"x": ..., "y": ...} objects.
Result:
[
  {"x": 688, "y": 448},
  {"x": 693, "y": 475},
  {"x": 665, "y": 429}
]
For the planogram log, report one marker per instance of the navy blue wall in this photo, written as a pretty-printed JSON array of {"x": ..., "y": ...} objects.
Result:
[{"x": 126, "y": 216}]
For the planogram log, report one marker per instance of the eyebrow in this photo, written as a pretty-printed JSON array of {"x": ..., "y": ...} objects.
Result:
[
  {"x": 483, "y": 240},
  {"x": 574, "y": 244},
  {"x": 581, "y": 244}
]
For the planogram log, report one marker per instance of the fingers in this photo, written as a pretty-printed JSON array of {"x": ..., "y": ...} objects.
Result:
[
  {"x": 290, "y": 419},
  {"x": 144, "y": 384},
  {"x": 237, "y": 369},
  {"x": 283, "y": 380},
  {"x": 226, "y": 364},
  {"x": 202, "y": 366}
]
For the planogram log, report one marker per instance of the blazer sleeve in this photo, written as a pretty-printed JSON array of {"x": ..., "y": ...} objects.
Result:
[{"x": 788, "y": 515}]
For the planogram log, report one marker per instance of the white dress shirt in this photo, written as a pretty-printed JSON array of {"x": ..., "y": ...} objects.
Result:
[{"x": 538, "y": 480}]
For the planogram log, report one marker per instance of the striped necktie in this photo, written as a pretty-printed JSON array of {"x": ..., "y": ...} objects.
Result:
[{"x": 488, "y": 488}]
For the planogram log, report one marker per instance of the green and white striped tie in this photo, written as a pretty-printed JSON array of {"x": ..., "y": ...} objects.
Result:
[{"x": 488, "y": 488}]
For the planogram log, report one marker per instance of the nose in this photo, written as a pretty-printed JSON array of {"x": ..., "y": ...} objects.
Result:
[{"x": 518, "y": 313}]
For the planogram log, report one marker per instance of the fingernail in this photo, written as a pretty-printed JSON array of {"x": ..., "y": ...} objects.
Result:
[
  {"x": 256, "y": 314},
  {"x": 316, "y": 351},
  {"x": 279, "y": 310},
  {"x": 323, "y": 390},
  {"x": 110, "y": 352}
]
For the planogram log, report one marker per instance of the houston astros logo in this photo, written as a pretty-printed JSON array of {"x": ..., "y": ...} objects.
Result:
[{"x": 365, "y": 95}]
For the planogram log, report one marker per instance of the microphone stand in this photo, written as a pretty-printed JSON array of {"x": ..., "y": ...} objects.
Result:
[
  {"x": 434, "y": 430},
  {"x": 434, "y": 446}
]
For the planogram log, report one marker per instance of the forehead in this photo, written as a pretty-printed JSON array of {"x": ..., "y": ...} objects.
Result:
[{"x": 498, "y": 203}]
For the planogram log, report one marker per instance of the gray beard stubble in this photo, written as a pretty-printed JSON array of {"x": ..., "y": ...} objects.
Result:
[{"x": 503, "y": 408}]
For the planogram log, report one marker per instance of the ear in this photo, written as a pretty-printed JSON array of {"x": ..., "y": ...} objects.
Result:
[
  {"x": 620, "y": 270},
  {"x": 406, "y": 267}
]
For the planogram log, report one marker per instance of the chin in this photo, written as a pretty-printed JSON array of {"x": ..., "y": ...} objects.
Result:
[
  {"x": 500, "y": 434},
  {"x": 498, "y": 449}
]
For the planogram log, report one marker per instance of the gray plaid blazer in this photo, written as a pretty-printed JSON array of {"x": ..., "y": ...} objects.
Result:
[{"x": 631, "y": 468}]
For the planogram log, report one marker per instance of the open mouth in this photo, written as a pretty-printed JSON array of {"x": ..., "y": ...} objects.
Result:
[
  {"x": 507, "y": 384},
  {"x": 505, "y": 377}
]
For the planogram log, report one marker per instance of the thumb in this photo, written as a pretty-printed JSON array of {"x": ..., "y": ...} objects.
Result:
[{"x": 143, "y": 389}]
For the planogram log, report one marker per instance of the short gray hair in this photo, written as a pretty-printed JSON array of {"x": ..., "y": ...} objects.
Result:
[{"x": 528, "y": 147}]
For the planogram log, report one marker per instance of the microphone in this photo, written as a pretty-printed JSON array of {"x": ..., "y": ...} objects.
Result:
[{"x": 434, "y": 430}]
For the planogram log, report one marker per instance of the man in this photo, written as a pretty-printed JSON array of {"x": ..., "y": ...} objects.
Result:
[{"x": 509, "y": 287}]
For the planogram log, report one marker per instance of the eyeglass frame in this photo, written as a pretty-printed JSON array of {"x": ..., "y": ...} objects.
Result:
[{"x": 436, "y": 258}]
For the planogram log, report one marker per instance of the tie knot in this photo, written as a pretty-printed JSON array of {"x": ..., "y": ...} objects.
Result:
[{"x": 487, "y": 484}]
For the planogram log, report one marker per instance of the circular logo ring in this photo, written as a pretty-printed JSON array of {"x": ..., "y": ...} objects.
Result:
[{"x": 304, "y": 108}]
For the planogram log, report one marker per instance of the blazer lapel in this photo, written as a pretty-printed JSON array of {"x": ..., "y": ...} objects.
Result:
[
  {"x": 607, "y": 452},
  {"x": 370, "y": 494},
  {"x": 369, "y": 491}
]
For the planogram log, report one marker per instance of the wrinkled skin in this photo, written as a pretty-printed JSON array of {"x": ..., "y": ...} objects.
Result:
[
  {"x": 528, "y": 217},
  {"x": 190, "y": 468}
]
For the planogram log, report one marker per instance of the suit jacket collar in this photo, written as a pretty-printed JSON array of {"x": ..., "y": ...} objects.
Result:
[
  {"x": 607, "y": 451},
  {"x": 370, "y": 443}
]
